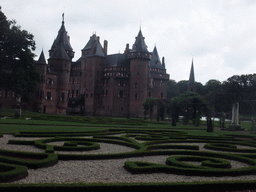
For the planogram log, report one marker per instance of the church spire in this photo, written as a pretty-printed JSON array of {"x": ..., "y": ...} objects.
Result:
[
  {"x": 191, "y": 82},
  {"x": 192, "y": 74}
]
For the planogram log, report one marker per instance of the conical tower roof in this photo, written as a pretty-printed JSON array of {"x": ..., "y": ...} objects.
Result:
[
  {"x": 139, "y": 45},
  {"x": 155, "y": 62},
  {"x": 41, "y": 59},
  {"x": 62, "y": 39},
  {"x": 60, "y": 53}
]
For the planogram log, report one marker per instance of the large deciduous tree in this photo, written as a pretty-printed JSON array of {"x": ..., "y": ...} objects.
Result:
[{"x": 18, "y": 72}]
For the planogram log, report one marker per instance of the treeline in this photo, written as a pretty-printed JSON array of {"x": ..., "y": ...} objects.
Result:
[{"x": 220, "y": 96}]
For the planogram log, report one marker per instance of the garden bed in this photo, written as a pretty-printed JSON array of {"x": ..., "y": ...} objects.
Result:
[{"x": 152, "y": 156}]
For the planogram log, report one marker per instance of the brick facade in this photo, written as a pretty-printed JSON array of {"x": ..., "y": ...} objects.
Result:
[{"x": 98, "y": 83}]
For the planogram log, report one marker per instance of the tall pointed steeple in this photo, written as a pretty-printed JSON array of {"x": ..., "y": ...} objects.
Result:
[
  {"x": 62, "y": 39},
  {"x": 139, "y": 45},
  {"x": 192, "y": 74},
  {"x": 191, "y": 82}
]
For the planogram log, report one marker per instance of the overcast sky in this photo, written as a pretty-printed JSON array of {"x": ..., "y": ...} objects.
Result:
[{"x": 220, "y": 35}]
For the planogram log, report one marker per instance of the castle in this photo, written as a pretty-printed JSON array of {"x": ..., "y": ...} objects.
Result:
[{"x": 97, "y": 83}]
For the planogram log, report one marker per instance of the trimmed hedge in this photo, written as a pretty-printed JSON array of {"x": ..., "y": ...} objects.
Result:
[
  {"x": 195, "y": 186},
  {"x": 215, "y": 166},
  {"x": 155, "y": 140},
  {"x": 10, "y": 172},
  {"x": 227, "y": 147},
  {"x": 31, "y": 160}
]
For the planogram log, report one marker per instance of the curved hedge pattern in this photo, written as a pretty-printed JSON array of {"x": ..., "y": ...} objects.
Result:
[{"x": 183, "y": 150}]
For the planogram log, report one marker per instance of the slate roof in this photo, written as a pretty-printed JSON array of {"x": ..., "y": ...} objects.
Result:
[
  {"x": 97, "y": 50},
  {"x": 155, "y": 62},
  {"x": 139, "y": 44},
  {"x": 117, "y": 60},
  {"x": 41, "y": 59},
  {"x": 60, "y": 53},
  {"x": 89, "y": 44},
  {"x": 63, "y": 39}
]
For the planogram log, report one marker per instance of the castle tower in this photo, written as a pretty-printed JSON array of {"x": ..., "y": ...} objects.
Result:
[
  {"x": 41, "y": 67},
  {"x": 93, "y": 56},
  {"x": 61, "y": 54},
  {"x": 60, "y": 63},
  {"x": 139, "y": 68},
  {"x": 191, "y": 82}
]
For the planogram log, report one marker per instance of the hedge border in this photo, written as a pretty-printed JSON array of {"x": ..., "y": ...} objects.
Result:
[
  {"x": 218, "y": 186},
  {"x": 16, "y": 157},
  {"x": 195, "y": 170},
  {"x": 12, "y": 172}
]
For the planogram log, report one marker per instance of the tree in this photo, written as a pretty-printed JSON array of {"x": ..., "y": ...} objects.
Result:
[
  {"x": 18, "y": 72},
  {"x": 148, "y": 106},
  {"x": 191, "y": 106}
]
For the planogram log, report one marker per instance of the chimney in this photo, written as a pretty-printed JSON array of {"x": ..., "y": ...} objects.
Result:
[
  {"x": 127, "y": 48},
  {"x": 106, "y": 47},
  {"x": 163, "y": 62}
]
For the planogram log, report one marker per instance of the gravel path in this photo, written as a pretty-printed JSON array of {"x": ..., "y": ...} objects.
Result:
[{"x": 105, "y": 171}]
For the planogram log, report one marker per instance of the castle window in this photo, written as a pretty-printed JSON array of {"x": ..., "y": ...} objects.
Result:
[
  {"x": 42, "y": 79},
  {"x": 91, "y": 95},
  {"x": 77, "y": 92},
  {"x": 136, "y": 96},
  {"x": 121, "y": 83},
  {"x": 136, "y": 84},
  {"x": 50, "y": 81},
  {"x": 121, "y": 94},
  {"x": 149, "y": 94},
  {"x": 49, "y": 95},
  {"x": 162, "y": 95},
  {"x": 62, "y": 97}
]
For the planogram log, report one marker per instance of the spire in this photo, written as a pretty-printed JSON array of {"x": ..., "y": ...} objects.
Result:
[
  {"x": 155, "y": 61},
  {"x": 62, "y": 39},
  {"x": 191, "y": 83},
  {"x": 139, "y": 45},
  {"x": 192, "y": 74},
  {"x": 41, "y": 59}
]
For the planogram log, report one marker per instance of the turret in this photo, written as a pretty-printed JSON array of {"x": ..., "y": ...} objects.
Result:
[
  {"x": 41, "y": 64},
  {"x": 60, "y": 62},
  {"x": 139, "y": 68},
  {"x": 62, "y": 39},
  {"x": 139, "y": 48}
]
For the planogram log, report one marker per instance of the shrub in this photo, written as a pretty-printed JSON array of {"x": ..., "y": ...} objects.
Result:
[{"x": 10, "y": 172}]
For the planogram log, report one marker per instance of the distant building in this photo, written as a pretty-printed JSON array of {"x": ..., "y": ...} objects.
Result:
[
  {"x": 191, "y": 82},
  {"x": 98, "y": 83}
]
